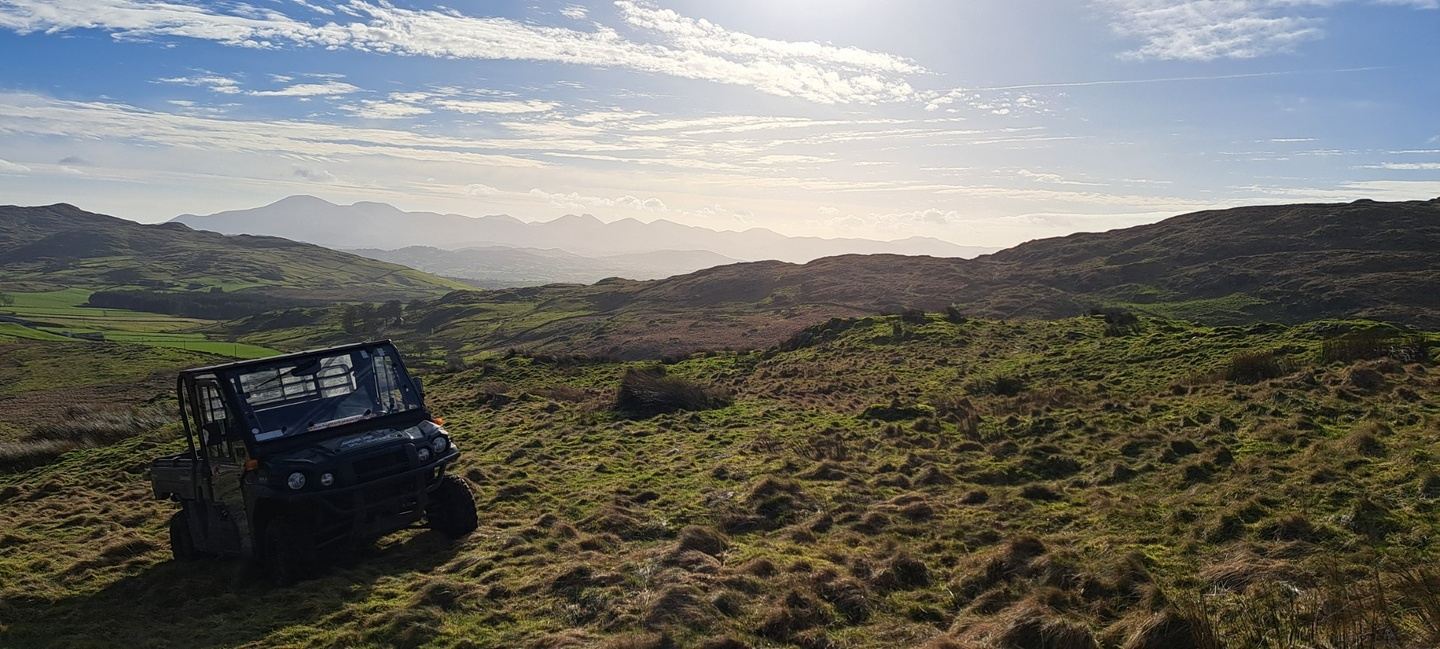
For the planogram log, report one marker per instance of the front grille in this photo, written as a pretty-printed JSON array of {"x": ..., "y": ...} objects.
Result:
[{"x": 379, "y": 466}]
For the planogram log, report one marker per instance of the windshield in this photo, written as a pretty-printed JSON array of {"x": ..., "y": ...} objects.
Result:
[{"x": 318, "y": 392}]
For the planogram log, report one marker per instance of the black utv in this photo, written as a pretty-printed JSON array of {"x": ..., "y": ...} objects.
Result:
[{"x": 292, "y": 456}]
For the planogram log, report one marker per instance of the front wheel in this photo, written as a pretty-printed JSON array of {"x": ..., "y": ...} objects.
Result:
[
  {"x": 289, "y": 550},
  {"x": 452, "y": 508},
  {"x": 182, "y": 545}
]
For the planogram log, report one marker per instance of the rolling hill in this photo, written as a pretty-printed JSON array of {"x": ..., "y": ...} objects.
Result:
[
  {"x": 1289, "y": 263},
  {"x": 60, "y": 246},
  {"x": 378, "y": 225}
]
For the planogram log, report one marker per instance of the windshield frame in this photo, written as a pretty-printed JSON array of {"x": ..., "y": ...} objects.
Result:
[{"x": 251, "y": 422}]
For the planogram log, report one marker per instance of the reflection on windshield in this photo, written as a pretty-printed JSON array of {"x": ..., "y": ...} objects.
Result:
[{"x": 323, "y": 392}]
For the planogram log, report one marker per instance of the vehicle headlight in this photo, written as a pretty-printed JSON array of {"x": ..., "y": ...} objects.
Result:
[
  {"x": 423, "y": 454},
  {"x": 439, "y": 444},
  {"x": 296, "y": 480},
  {"x": 327, "y": 479}
]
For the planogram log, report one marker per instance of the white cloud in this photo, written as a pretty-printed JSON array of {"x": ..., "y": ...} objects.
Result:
[
  {"x": 211, "y": 82},
  {"x": 496, "y": 107},
  {"x": 8, "y": 167},
  {"x": 1406, "y": 166},
  {"x": 574, "y": 12},
  {"x": 994, "y": 102},
  {"x": 326, "y": 89},
  {"x": 690, "y": 48},
  {"x": 1204, "y": 30},
  {"x": 378, "y": 109},
  {"x": 480, "y": 189}
]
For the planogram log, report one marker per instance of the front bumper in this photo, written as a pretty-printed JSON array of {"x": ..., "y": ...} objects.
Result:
[{"x": 373, "y": 507}]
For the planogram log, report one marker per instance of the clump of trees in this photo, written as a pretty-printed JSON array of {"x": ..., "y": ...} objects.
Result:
[{"x": 369, "y": 319}]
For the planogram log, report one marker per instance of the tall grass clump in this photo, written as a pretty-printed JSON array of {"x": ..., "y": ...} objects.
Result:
[
  {"x": 999, "y": 384},
  {"x": 1254, "y": 367},
  {"x": 649, "y": 391},
  {"x": 1399, "y": 609},
  {"x": 1374, "y": 343},
  {"x": 78, "y": 427}
]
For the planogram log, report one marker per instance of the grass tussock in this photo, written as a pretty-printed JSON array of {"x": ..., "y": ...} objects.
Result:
[
  {"x": 646, "y": 392},
  {"x": 1369, "y": 344},
  {"x": 1254, "y": 367}
]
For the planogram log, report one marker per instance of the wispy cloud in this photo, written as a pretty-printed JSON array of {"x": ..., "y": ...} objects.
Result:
[
  {"x": 678, "y": 46},
  {"x": 1143, "y": 81}
]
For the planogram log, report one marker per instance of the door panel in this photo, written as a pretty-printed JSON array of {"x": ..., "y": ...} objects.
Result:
[{"x": 227, "y": 520}]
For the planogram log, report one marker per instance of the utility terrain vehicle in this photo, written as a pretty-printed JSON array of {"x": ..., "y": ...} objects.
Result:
[{"x": 293, "y": 455}]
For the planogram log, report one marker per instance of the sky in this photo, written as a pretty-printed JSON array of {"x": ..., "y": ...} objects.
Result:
[{"x": 982, "y": 122}]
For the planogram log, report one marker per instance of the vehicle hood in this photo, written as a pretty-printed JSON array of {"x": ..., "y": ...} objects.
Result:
[{"x": 359, "y": 442}]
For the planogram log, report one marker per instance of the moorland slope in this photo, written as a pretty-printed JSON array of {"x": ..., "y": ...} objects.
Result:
[{"x": 880, "y": 482}]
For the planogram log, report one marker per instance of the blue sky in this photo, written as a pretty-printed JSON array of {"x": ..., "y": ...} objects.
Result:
[{"x": 982, "y": 122}]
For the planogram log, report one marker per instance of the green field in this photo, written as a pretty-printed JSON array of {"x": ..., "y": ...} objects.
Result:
[{"x": 62, "y": 316}]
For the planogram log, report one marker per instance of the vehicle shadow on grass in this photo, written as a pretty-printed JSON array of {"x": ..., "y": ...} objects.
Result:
[{"x": 210, "y": 602}]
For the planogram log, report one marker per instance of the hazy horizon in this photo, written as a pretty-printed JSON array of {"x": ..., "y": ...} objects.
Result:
[{"x": 980, "y": 124}]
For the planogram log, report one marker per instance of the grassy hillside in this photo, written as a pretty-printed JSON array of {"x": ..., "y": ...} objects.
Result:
[
  {"x": 1292, "y": 263},
  {"x": 67, "y": 273},
  {"x": 60, "y": 247},
  {"x": 876, "y": 482}
]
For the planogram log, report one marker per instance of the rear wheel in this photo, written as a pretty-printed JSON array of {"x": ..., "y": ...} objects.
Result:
[
  {"x": 289, "y": 550},
  {"x": 452, "y": 508},
  {"x": 182, "y": 545}
]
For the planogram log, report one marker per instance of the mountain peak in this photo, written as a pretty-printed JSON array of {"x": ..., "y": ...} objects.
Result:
[
  {"x": 301, "y": 200},
  {"x": 575, "y": 219}
]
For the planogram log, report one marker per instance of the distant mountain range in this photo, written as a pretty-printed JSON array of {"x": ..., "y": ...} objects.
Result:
[
  {"x": 502, "y": 267},
  {"x": 380, "y": 226}
]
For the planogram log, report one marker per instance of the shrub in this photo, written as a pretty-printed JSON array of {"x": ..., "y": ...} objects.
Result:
[
  {"x": 912, "y": 316},
  {"x": 954, "y": 315},
  {"x": 1004, "y": 385},
  {"x": 646, "y": 392},
  {"x": 1118, "y": 322}
]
